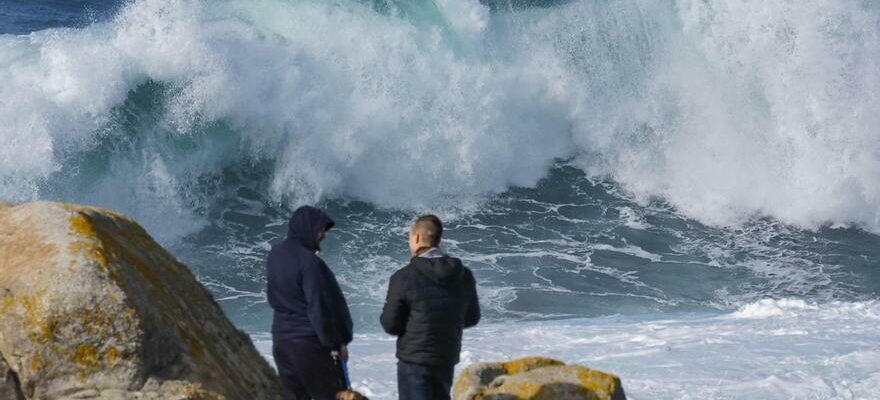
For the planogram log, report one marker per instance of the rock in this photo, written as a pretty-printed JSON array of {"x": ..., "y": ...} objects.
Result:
[
  {"x": 9, "y": 387},
  {"x": 92, "y": 308},
  {"x": 535, "y": 378},
  {"x": 475, "y": 378}
]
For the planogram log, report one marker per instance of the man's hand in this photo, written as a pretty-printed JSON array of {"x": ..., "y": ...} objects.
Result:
[{"x": 343, "y": 353}]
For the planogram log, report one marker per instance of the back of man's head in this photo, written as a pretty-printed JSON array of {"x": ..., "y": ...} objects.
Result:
[{"x": 429, "y": 228}]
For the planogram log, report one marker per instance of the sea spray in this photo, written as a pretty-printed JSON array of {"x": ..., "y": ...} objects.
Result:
[{"x": 727, "y": 110}]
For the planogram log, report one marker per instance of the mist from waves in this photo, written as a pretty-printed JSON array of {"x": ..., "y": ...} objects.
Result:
[{"x": 728, "y": 111}]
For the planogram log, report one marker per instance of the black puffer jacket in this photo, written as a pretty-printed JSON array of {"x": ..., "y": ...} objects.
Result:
[{"x": 429, "y": 303}]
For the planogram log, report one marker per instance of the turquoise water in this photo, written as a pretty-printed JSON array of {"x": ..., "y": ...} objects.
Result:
[{"x": 680, "y": 182}]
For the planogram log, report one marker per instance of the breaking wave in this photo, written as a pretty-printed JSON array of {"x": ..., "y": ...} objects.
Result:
[{"x": 728, "y": 110}]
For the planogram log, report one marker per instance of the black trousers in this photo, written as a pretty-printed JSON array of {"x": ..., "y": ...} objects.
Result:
[
  {"x": 423, "y": 382},
  {"x": 306, "y": 369}
]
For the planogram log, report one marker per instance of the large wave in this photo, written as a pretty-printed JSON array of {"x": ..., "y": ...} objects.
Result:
[{"x": 728, "y": 110}]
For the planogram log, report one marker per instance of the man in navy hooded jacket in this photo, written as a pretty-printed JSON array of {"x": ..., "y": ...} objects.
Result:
[{"x": 311, "y": 318}]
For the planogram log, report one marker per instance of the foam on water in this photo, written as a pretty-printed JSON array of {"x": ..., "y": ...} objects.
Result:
[
  {"x": 560, "y": 250},
  {"x": 771, "y": 349}
]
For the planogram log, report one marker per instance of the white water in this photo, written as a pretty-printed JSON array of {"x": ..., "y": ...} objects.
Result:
[
  {"x": 729, "y": 110},
  {"x": 771, "y": 349}
]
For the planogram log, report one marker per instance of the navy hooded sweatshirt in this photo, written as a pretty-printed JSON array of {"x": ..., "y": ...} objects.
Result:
[{"x": 300, "y": 287}]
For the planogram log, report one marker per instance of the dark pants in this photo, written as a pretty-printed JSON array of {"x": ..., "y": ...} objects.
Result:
[
  {"x": 306, "y": 369},
  {"x": 423, "y": 382}
]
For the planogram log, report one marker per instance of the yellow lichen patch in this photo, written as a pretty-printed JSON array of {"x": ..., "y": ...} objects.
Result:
[
  {"x": 84, "y": 245},
  {"x": 112, "y": 355},
  {"x": 82, "y": 250},
  {"x": 36, "y": 363},
  {"x": 81, "y": 226},
  {"x": 556, "y": 382},
  {"x": 536, "y": 378},
  {"x": 528, "y": 364},
  {"x": 49, "y": 332},
  {"x": 40, "y": 327},
  {"x": 36, "y": 325},
  {"x": 597, "y": 381},
  {"x": 549, "y": 383},
  {"x": 6, "y": 303},
  {"x": 46, "y": 330},
  {"x": 86, "y": 355}
]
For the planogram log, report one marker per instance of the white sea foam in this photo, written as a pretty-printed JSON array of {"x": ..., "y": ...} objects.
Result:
[
  {"x": 726, "y": 109},
  {"x": 826, "y": 351},
  {"x": 635, "y": 251},
  {"x": 772, "y": 308}
]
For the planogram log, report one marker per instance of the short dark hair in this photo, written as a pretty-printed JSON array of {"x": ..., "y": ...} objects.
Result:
[{"x": 430, "y": 227}]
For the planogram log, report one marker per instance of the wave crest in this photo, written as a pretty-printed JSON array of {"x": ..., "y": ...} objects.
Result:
[{"x": 728, "y": 110}]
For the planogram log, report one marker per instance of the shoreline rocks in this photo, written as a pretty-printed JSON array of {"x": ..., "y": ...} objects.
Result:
[
  {"x": 535, "y": 378},
  {"x": 92, "y": 308},
  {"x": 10, "y": 389}
]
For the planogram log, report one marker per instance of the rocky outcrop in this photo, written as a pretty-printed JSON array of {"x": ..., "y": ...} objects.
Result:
[
  {"x": 92, "y": 308},
  {"x": 535, "y": 378},
  {"x": 10, "y": 389}
]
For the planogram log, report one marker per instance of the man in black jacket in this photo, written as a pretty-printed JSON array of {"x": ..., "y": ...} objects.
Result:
[
  {"x": 311, "y": 318},
  {"x": 429, "y": 303}
]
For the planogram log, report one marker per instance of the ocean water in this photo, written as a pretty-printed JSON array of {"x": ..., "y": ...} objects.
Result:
[{"x": 686, "y": 193}]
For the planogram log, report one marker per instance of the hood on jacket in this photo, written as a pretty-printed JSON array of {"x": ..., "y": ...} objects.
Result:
[
  {"x": 305, "y": 225},
  {"x": 442, "y": 270}
]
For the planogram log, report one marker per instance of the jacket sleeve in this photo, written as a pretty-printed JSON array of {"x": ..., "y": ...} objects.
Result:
[
  {"x": 396, "y": 310},
  {"x": 472, "y": 314},
  {"x": 326, "y": 307}
]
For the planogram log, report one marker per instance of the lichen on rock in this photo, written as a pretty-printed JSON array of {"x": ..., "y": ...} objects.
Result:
[
  {"x": 535, "y": 378},
  {"x": 92, "y": 307}
]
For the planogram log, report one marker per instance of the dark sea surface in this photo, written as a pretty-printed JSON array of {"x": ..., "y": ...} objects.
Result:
[{"x": 20, "y": 17}]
